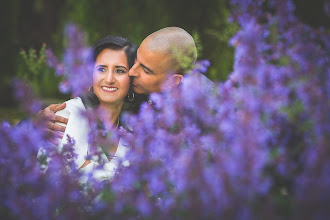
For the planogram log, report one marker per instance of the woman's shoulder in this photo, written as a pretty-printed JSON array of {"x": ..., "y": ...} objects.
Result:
[
  {"x": 72, "y": 105},
  {"x": 75, "y": 102}
]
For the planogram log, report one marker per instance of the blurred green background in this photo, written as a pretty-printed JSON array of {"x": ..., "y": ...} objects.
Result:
[{"x": 28, "y": 25}]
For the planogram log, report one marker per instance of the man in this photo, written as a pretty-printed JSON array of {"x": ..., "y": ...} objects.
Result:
[{"x": 162, "y": 59}]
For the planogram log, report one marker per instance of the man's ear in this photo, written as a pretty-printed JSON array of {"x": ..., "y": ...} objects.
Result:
[{"x": 174, "y": 80}]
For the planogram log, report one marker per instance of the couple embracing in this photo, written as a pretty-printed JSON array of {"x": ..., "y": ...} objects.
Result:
[{"x": 122, "y": 74}]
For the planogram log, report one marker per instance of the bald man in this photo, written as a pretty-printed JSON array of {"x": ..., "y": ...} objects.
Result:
[{"x": 162, "y": 59}]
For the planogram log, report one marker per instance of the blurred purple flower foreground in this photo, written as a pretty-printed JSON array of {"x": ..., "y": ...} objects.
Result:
[
  {"x": 258, "y": 148},
  {"x": 76, "y": 67}
]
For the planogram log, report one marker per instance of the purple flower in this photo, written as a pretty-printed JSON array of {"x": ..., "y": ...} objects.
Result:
[
  {"x": 259, "y": 138},
  {"x": 26, "y": 97},
  {"x": 75, "y": 67}
]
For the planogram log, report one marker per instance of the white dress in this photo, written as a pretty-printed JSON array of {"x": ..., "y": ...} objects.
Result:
[{"x": 78, "y": 129}]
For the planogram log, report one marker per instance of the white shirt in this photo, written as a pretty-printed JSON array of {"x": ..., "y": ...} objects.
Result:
[{"x": 78, "y": 129}]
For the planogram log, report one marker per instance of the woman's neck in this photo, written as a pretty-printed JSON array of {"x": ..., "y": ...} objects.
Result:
[{"x": 112, "y": 112}]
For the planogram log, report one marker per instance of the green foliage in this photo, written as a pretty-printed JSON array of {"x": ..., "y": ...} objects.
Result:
[
  {"x": 38, "y": 5},
  {"x": 33, "y": 61},
  {"x": 198, "y": 43},
  {"x": 222, "y": 58},
  {"x": 207, "y": 21},
  {"x": 137, "y": 19},
  {"x": 9, "y": 38},
  {"x": 11, "y": 114},
  {"x": 34, "y": 70},
  {"x": 216, "y": 36},
  {"x": 126, "y": 18}
]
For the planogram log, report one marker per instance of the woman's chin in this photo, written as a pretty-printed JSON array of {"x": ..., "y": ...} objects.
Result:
[{"x": 111, "y": 100}]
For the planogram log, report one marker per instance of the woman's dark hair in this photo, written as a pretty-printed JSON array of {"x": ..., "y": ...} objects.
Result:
[{"x": 113, "y": 43}]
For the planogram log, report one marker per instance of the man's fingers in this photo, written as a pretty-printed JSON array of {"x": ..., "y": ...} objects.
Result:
[
  {"x": 53, "y": 107},
  {"x": 57, "y": 107},
  {"x": 51, "y": 133},
  {"x": 60, "y": 119},
  {"x": 60, "y": 107},
  {"x": 54, "y": 141},
  {"x": 47, "y": 113},
  {"x": 55, "y": 127},
  {"x": 55, "y": 134}
]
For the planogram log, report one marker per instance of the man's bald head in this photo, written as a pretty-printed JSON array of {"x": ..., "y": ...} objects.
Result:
[
  {"x": 162, "y": 59},
  {"x": 178, "y": 44}
]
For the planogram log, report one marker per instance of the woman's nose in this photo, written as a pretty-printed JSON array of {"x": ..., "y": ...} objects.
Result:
[{"x": 110, "y": 77}]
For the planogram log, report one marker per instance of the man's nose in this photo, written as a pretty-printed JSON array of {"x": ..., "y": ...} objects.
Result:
[
  {"x": 110, "y": 77},
  {"x": 133, "y": 71}
]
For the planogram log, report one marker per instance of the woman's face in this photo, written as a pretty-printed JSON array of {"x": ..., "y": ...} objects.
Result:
[{"x": 110, "y": 79}]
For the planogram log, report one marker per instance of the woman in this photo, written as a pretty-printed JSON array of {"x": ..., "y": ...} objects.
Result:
[{"x": 113, "y": 56}]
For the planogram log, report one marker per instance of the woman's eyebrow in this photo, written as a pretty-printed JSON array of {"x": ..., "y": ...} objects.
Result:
[
  {"x": 104, "y": 66},
  {"x": 122, "y": 67}
]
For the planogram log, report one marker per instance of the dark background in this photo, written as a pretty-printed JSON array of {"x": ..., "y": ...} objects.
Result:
[{"x": 28, "y": 24}]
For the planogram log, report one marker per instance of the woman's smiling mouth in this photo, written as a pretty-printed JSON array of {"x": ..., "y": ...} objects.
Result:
[{"x": 109, "y": 89}]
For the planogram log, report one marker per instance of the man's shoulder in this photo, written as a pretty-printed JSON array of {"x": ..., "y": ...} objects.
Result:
[{"x": 205, "y": 84}]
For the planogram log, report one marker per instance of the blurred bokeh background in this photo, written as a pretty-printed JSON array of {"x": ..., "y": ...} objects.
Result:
[{"x": 28, "y": 26}]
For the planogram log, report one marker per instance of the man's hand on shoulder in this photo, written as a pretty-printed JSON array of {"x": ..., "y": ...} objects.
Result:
[{"x": 48, "y": 114}]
